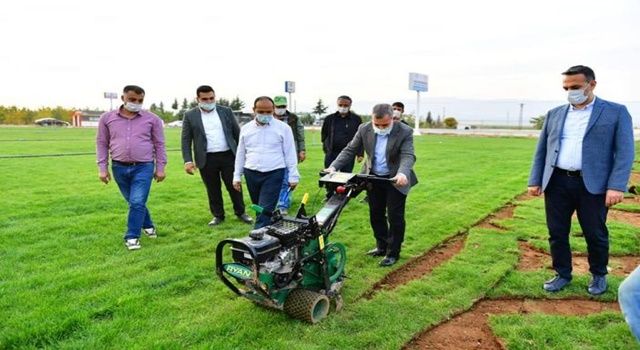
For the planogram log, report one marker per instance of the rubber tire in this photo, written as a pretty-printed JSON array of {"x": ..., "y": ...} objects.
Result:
[{"x": 306, "y": 305}]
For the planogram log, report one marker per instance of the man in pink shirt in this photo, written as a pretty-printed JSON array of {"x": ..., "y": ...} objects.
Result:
[{"x": 135, "y": 140}]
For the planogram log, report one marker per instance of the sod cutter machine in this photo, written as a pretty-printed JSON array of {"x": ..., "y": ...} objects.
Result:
[{"x": 291, "y": 264}]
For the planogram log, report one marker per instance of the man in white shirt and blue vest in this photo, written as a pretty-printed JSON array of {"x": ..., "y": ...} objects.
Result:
[
  {"x": 582, "y": 164},
  {"x": 265, "y": 149}
]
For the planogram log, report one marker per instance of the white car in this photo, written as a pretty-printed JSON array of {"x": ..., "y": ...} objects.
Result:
[{"x": 175, "y": 124}]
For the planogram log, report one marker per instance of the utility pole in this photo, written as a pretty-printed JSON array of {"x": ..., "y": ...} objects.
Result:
[{"x": 520, "y": 119}]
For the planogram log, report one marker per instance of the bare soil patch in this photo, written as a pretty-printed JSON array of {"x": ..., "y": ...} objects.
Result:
[{"x": 470, "y": 330}]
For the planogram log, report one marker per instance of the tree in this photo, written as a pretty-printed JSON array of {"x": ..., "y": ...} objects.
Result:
[
  {"x": 153, "y": 107},
  {"x": 185, "y": 104},
  {"x": 193, "y": 104},
  {"x": 161, "y": 108},
  {"x": 438, "y": 122},
  {"x": 429, "y": 119},
  {"x": 236, "y": 104},
  {"x": 450, "y": 122},
  {"x": 320, "y": 108},
  {"x": 307, "y": 118},
  {"x": 537, "y": 121},
  {"x": 174, "y": 105},
  {"x": 223, "y": 102}
]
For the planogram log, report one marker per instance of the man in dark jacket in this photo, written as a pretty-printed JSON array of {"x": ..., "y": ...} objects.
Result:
[
  {"x": 337, "y": 131},
  {"x": 213, "y": 132}
]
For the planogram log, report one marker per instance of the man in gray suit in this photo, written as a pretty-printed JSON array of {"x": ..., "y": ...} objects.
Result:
[
  {"x": 582, "y": 163},
  {"x": 389, "y": 148},
  {"x": 212, "y": 132}
]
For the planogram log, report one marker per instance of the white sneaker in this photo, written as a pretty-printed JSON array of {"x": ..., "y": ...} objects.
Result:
[
  {"x": 132, "y": 244},
  {"x": 150, "y": 232}
]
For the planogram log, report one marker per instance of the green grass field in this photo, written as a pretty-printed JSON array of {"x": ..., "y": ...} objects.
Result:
[{"x": 66, "y": 280}]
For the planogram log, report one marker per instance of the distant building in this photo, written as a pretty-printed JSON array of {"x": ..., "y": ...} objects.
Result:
[
  {"x": 85, "y": 119},
  {"x": 50, "y": 122}
]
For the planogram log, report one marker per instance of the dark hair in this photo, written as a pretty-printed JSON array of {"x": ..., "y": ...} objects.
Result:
[
  {"x": 204, "y": 89},
  {"x": 398, "y": 104},
  {"x": 263, "y": 98},
  {"x": 135, "y": 88},
  {"x": 382, "y": 110},
  {"x": 588, "y": 72},
  {"x": 345, "y": 97}
]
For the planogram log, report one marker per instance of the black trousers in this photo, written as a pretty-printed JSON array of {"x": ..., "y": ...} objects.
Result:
[
  {"x": 219, "y": 166},
  {"x": 386, "y": 214},
  {"x": 331, "y": 156},
  {"x": 564, "y": 195}
]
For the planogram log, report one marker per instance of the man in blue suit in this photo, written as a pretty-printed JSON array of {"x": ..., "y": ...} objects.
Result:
[{"x": 582, "y": 163}]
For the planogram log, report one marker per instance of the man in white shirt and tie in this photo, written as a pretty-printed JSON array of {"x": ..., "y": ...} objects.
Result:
[{"x": 265, "y": 148}]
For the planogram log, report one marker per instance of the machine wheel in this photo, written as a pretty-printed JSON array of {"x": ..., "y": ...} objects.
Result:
[{"x": 306, "y": 305}]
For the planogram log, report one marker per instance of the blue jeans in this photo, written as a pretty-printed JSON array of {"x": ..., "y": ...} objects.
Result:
[
  {"x": 264, "y": 188},
  {"x": 135, "y": 182},
  {"x": 284, "y": 200},
  {"x": 629, "y": 299}
]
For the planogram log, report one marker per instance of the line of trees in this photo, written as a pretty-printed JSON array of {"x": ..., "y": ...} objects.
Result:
[{"x": 25, "y": 116}]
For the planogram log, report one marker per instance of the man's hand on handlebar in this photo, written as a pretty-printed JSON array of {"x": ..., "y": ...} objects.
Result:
[
  {"x": 400, "y": 180},
  {"x": 329, "y": 170}
]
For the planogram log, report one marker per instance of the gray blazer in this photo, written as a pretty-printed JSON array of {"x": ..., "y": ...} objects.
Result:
[
  {"x": 193, "y": 134},
  {"x": 607, "y": 148},
  {"x": 400, "y": 152}
]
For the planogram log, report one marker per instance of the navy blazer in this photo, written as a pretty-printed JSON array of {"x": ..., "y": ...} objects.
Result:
[
  {"x": 193, "y": 134},
  {"x": 607, "y": 147}
]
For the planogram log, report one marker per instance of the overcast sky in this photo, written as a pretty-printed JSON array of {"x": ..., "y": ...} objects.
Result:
[{"x": 69, "y": 52}]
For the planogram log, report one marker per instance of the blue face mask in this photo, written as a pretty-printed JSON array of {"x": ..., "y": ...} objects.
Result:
[
  {"x": 264, "y": 118},
  {"x": 207, "y": 106}
]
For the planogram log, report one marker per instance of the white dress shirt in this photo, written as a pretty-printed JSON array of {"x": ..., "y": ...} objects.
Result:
[
  {"x": 216, "y": 141},
  {"x": 570, "y": 154},
  {"x": 265, "y": 148}
]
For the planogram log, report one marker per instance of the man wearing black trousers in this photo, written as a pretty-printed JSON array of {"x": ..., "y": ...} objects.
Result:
[
  {"x": 390, "y": 154},
  {"x": 337, "y": 130},
  {"x": 213, "y": 132},
  {"x": 582, "y": 164}
]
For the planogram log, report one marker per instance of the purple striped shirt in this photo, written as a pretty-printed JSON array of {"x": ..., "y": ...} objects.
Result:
[{"x": 130, "y": 140}]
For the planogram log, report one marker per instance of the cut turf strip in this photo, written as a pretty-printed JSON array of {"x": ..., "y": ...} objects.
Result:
[
  {"x": 470, "y": 330},
  {"x": 419, "y": 266},
  {"x": 532, "y": 259}
]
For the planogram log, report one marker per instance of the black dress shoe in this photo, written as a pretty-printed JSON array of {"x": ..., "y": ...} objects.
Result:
[
  {"x": 245, "y": 218},
  {"x": 376, "y": 252},
  {"x": 388, "y": 261},
  {"x": 216, "y": 221}
]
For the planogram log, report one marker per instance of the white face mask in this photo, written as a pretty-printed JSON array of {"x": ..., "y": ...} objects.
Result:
[
  {"x": 382, "y": 132},
  {"x": 133, "y": 107},
  {"x": 281, "y": 111},
  {"x": 343, "y": 110},
  {"x": 577, "y": 97},
  {"x": 397, "y": 114}
]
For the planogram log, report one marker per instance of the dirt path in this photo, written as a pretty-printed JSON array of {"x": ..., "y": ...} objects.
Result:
[
  {"x": 532, "y": 259},
  {"x": 624, "y": 216},
  {"x": 470, "y": 330},
  {"x": 419, "y": 266}
]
